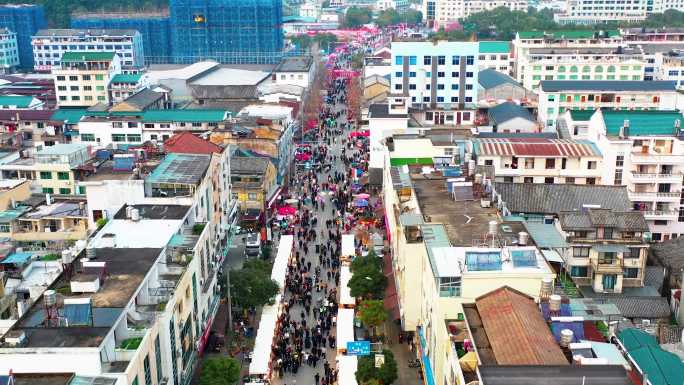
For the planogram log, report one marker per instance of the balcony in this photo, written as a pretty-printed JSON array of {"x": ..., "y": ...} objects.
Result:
[
  {"x": 673, "y": 196},
  {"x": 655, "y": 177},
  {"x": 655, "y": 158},
  {"x": 663, "y": 215},
  {"x": 607, "y": 265}
]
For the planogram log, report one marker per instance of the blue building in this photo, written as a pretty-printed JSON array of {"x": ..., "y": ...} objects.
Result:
[
  {"x": 154, "y": 28},
  {"x": 24, "y": 20},
  {"x": 229, "y": 31}
]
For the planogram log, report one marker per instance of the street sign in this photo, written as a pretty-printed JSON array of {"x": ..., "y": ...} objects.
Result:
[
  {"x": 379, "y": 360},
  {"x": 358, "y": 348}
]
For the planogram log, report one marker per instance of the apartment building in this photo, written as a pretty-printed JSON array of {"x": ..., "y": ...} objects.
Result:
[
  {"x": 124, "y": 86},
  {"x": 526, "y": 40},
  {"x": 83, "y": 78},
  {"x": 644, "y": 151},
  {"x": 121, "y": 129},
  {"x": 440, "y": 13},
  {"x": 539, "y": 160},
  {"x": 580, "y": 64},
  {"x": 9, "y": 52},
  {"x": 297, "y": 71},
  {"x": 607, "y": 250},
  {"x": 436, "y": 76},
  {"x": 442, "y": 259},
  {"x": 51, "y": 169},
  {"x": 50, "y": 44},
  {"x": 495, "y": 55},
  {"x": 645, "y": 35},
  {"x": 598, "y": 11},
  {"x": 671, "y": 67},
  {"x": 558, "y": 96},
  {"x": 398, "y": 5}
]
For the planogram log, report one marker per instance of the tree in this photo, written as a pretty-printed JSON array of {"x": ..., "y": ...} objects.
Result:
[
  {"x": 219, "y": 371},
  {"x": 324, "y": 40},
  {"x": 252, "y": 285},
  {"x": 368, "y": 280},
  {"x": 372, "y": 313},
  {"x": 413, "y": 17},
  {"x": 356, "y": 17},
  {"x": 366, "y": 372}
]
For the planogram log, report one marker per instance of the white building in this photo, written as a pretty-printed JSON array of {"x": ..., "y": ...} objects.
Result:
[
  {"x": 83, "y": 78},
  {"x": 124, "y": 85},
  {"x": 398, "y": 5},
  {"x": 9, "y": 53},
  {"x": 440, "y": 13},
  {"x": 310, "y": 9},
  {"x": 556, "y": 97},
  {"x": 495, "y": 55},
  {"x": 50, "y": 44},
  {"x": 297, "y": 71},
  {"x": 644, "y": 151},
  {"x": 598, "y": 11},
  {"x": 539, "y": 160}
]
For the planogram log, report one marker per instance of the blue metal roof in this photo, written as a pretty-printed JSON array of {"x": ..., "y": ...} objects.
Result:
[{"x": 17, "y": 258}]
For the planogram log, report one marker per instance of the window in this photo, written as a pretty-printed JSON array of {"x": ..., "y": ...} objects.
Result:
[
  {"x": 412, "y": 86},
  {"x": 63, "y": 175},
  {"x": 440, "y": 86},
  {"x": 580, "y": 252},
  {"x": 548, "y": 180},
  {"x": 528, "y": 179},
  {"x": 470, "y": 60},
  {"x": 619, "y": 161},
  {"x": 591, "y": 180},
  {"x": 618, "y": 178},
  {"x": 252, "y": 196},
  {"x": 157, "y": 356},
  {"x": 87, "y": 88},
  {"x": 75, "y": 98},
  {"x": 427, "y": 60},
  {"x": 5, "y": 228},
  {"x": 570, "y": 180},
  {"x": 426, "y": 99},
  {"x": 73, "y": 78},
  {"x": 61, "y": 88},
  {"x": 469, "y": 74},
  {"x": 45, "y": 175},
  {"x": 450, "y": 286},
  {"x": 87, "y": 137},
  {"x": 99, "y": 77},
  {"x": 48, "y": 190},
  {"x": 634, "y": 252},
  {"x": 454, "y": 99},
  {"x": 101, "y": 98},
  {"x": 428, "y": 87},
  {"x": 412, "y": 74},
  {"x": 118, "y": 137},
  {"x": 82, "y": 190},
  {"x": 441, "y": 60},
  {"x": 579, "y": 271},
  {"x": 412, "y": 60},
  {"x": 454, "y": 74},
  {"x": 455, "y": 60},
  {"x": 440, "y": 74},
  {"x": 607, "y": 233},
  {"x": 550, "y": 163},
  {"x": 134, "y": 138},
  {"x": 65, "y": 191},
  {"x": 148, "y": 371},
  {"x": 611, "y": 68},
  {"x": 468, "y": 99},
  {"x": 454, "y": 86},
  {"x": 440, "y": 99},
  {"x": 99, "y": 88},
  {"x": 61, "y": 78},
  {"x": 397, "y": 86},
  {"x": 631, "y": 272},
  {"x": 399, "y": 60},
  {"x": 469, "y": 86},
  {"x": 591, "y": 165},
  {"x": 428, "y": 74},
  {"x": 529, "y": 163},
  {"x": 398, "y": 74},
  {"x": 86, "y": 77}
]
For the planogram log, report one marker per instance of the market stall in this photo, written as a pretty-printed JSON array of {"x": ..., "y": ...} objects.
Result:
[
  {"x": 345, "y": 328},
  {"x": 348, "y": 248},
  {"x": 346, "y": 366},
  {"x": 279, "y": 272},
  {"x": 346, "y": 299}
]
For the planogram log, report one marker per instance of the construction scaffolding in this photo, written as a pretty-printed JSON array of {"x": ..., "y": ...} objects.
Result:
[{"x": 24, "y": 20}]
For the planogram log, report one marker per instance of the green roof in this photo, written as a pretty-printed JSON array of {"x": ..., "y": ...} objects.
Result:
[
  {"x": 126, "y": 78},
  {"x": 207, "y": 116},
  {"x": 495, "y": 47},
  {"x": 87, "y": 56},
  {"x": 641, "y": 122},
  {"x": 566, "y": 34},
  {"x": 661, "y": 367},
  {"x": 69, "y": 115},
  {"x": 633, "y": 339},
  {"x": 581, "y": 115},
  {"x": 19, "y": 101}
]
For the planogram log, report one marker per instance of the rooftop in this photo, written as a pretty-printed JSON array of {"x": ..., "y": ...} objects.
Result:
[
  {"x": 127, "y": 78},
  {"x": 381, "y": 111},
  {"x": 556, "y": 375},
  {"x": 222, "y": 76},
  {"x": 465, "y": 220},
  {"x": 535, "y": 147},
  {"x": 71, "y": 56},
  {"x": 57, "y": 210},
  {"x": 581, "y": 115},
  {"x": 593, "y": 218},
  {"x": 642, "y": 122},
  {"x": 188, "y": 143},
  {"x": 248, "y": 165},
  {"x": 62, "y": 149},
  {"x": 16, "y": 100},
  {"x": 185, "y": 72},
  {"x": 14, "y": 115},
  {"x": 569, "y": 34},
  {"x": 295, "y": 64},
  {"x": 669, "y": 253},
  {"x": 507, "y": 111},
  {"x": 456, "y": 261},
  {"x": 490, "y": 78},
  {"x": 181, "y": 169},
  {"x": 495, "y": 46},
  {"x": 607, "y": 85},
  {"x": 43, "y": 378},
  {"x": 532, "y": 198},
  {"x": 142, "y": 99},
  {"x": 84, "y": 32},
  {"x": 156, "y": 212},
  {"x": 508, "y": 329},
  {"x": 146, "y": 232}
]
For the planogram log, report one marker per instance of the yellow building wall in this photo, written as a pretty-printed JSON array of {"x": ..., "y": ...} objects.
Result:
[{"x": 18, "y": 193}]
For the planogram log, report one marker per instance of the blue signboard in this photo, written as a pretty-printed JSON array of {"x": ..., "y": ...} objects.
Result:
[{"x": 358, "y": 348}]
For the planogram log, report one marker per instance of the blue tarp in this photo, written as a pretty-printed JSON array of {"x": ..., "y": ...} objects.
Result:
[
  {"x": 565, "y": 310},
  {"x": 576, "y": 327},
  {"x": 78, "y": 313},
  {"x": 124, "y": 163},
  {"x": 17, "y": 258}
]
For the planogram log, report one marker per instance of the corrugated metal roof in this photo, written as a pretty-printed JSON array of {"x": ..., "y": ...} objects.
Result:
[
  {"x": 606, "y": 85},
  {"x": 87, "y": 56},
  {"x": 516, "y": 329},
  {"x": 490, "y": 78},
  {"x": 642, "y": 122},
  {"x": 495, "y": 46},
  {"x": 535, "y": 147}
]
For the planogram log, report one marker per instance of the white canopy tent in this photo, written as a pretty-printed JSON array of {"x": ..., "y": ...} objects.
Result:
[
  {"x": 346, "y": 366},
  {"x": 345, "y": 327},
  {"x": 345, "y": 292},
  {"x": 279, "y": 271},
  {"x": 348, "y": 248},
  {"x": 261, "y": 356}
]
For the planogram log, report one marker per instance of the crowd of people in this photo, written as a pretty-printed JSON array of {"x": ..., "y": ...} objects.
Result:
[{"x": 324, "y": 197}]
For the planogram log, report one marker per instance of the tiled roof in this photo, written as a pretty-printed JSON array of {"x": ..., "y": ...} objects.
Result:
[
  {"x": 641, "y": 122},
  {"x": 535, "y": 147},
  {"x": 640, "y": 307},
  {"x": 243, "y": 164},
  {"x": 71, "y": 56},
  {"x": 606, "y": 85},
  {"x": 490, "y": 78},
  {"x": 533, "y": 198},
  {"x": 143, "y": 98},
  {"x": 6, "y": 115},
  {"x": 669, "y": 253},
  {"x": 187, "y": 143},
  {"x": 516, "y": 330},
  {"x": 507, "y": 111},
  {"x": 495, "y": 46},
  {"x": 631, "y": 221}
]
